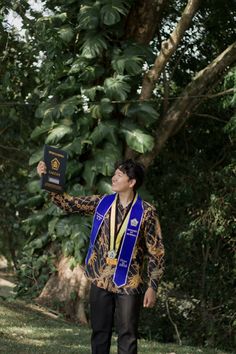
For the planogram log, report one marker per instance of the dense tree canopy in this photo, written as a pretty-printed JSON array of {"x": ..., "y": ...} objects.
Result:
[{"x": 109, "y": 79}]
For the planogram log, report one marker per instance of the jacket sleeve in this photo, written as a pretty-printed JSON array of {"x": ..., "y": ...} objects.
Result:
[
  {"x": 84, "y": 204},
  {"x": 155, "y": 249}
]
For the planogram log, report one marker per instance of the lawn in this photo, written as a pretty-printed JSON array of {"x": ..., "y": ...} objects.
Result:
[{"x": 29, "y": 329}]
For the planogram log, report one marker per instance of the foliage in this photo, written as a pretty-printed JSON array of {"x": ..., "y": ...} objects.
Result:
[
  {"x": 17, "y": 78},
  {"x": 196, "y": 202}
]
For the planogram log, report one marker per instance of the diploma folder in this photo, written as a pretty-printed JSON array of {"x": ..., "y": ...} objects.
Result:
[{"x": 55, "y": 160}]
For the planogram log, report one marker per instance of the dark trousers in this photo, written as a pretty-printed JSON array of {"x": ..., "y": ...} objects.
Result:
[{"x": 103, "y": 305}]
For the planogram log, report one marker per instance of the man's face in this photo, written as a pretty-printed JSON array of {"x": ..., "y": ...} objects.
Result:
[{"x": 121, "y": 182}]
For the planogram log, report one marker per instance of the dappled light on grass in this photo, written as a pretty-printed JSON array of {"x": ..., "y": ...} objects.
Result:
[{"x": 25, "y": 328}]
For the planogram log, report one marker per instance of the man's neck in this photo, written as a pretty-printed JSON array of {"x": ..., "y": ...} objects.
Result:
[{"x": 126, "y": 197}]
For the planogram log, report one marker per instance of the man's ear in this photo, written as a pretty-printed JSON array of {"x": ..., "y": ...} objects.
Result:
[{"x": 132, "y": 182}]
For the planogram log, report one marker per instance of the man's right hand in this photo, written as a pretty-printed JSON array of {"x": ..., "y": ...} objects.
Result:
[{"x": 41, "y": 168}]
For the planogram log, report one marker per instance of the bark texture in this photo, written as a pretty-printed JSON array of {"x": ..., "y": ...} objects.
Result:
[
  {"x": 69, "y": 288},
  {"x": 143, "y": 19},
  {"x": 183, "y": 107}
]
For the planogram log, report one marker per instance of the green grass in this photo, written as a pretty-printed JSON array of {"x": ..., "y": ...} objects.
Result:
[{"x": 28, "y": 329}]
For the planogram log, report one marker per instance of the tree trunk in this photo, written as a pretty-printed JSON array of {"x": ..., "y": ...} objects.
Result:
[
  {"x": 143, "y": 20},
  {"x": 193, "y": 94},
  {"x": 67, "y": 290}
]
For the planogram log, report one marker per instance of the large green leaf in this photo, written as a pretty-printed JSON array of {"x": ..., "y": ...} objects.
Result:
[
  {"x": 106, "y": 158},
  {"x": 48, "y": 112},
  {"x": 51, "y": 225},
  {"x": 73, "y": 168},
  {"x": 102, "y": 110},
  {"x": 68, "y": 248},
  {"x": 79, "y": 65},
  {"x": 137, "y": 139},
  {"x": 89, "y": 173},
  {"x": 68, "y": 107},
  {"x": 33, "y": 187},
  {"x": 88, "y": 17},
  {"x": 74, "y": 147},
  {"x": 39, "y": 113},
  {"x": 36, "y": 156},
  {"x": 94, "y": 45},
  {"x": 58, "y": 133},
  {"x": 142, "y": 110},
  {"x": 102, "y": 163},
  {"x": 63, "y": 227},
  {"x": 91, "y": 73},
  {"x": 56, "y": 19},
  {"x": 92, "y": 91},
  {"x": 117, "y": 88},
  {"x": 105, "y": 130},
  {"x": 34, "y": 201},
  {"x": 40, "y": 131},
  {"x": 129, "y": 64},
  {"x": 104, "y": 186},
  {"x": 110, "y": 12},
  {"x": 66, "y": 33}
]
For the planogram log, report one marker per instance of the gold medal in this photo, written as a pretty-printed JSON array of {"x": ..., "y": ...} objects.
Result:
[
  {"x": 111, "y": 261},
  {"x": 112, "y": 254}
]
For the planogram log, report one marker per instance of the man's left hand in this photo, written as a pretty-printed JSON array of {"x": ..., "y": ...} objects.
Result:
[{"x": 149, "y": 298}]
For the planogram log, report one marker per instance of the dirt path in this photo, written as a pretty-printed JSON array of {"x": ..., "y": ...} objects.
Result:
[{"x": 7, "y": 279}]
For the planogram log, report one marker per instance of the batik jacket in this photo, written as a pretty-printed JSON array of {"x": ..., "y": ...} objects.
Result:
[{"x": 146, "y": 266}]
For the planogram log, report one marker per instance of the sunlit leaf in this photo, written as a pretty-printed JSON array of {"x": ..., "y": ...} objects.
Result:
[
  {"x": 88, "y": 17},
  {"x": 58, "y": 133},
  {"x": 94, "y": 45},
  {"x": 117, "y": 87},
  {"x": 36, "y": 156},
  {"x": 137, "y": 139},
  {"x": 66, "y": 34},
  {"x": 79, "y": 65}
]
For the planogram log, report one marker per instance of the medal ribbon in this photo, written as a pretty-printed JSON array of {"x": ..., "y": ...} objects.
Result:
[{"x": 114, "y": 245}]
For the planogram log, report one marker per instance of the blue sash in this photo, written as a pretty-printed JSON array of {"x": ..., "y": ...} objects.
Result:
[
  {"x": 128, "y": 244},
  {"x": 129, "y": 240},
  {"x": 100, "y": 212}
]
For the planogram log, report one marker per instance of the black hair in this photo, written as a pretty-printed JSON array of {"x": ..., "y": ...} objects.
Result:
[{"x": 133, "y": 169}]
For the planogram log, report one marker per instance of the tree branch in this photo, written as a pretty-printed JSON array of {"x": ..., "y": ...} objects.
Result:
[
  {"x": 168, "y": 48},
  {"x": 185, "y": 106},
  {"x": 210, "y": 116},
  {"x": 173, "y": 323}
]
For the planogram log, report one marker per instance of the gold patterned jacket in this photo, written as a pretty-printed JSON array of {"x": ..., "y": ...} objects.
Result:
[{"x": 147, "y": 262}]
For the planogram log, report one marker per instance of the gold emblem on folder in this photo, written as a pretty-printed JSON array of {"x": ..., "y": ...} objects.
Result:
[{"x": 55, "y": 164}]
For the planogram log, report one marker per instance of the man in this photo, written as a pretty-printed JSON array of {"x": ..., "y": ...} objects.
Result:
[{"x": 125, "y": 231}]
